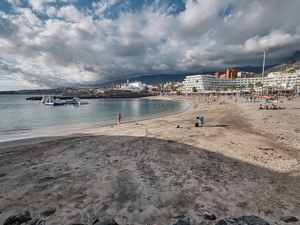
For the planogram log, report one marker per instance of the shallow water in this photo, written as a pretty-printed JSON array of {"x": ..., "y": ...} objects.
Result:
[{"x": 20, "y": 117}]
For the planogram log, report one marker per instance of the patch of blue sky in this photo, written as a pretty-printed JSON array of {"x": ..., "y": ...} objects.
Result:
[
  {"x": 177, "y": 6},
  {"x": 7, "y": 78},
  {"x": 226, "y": 11},
  {"x": 11, "y": 62},
  {"x": 163, "y": 40},
  {"x": 37, "y": 67},
  {"x": 112, "y": 11},
  {"x": 5, "y": 6},
  {"x": 4, "y": 22}
]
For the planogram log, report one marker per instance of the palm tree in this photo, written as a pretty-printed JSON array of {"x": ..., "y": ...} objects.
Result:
[
  {"x": 251, "y": 90},
  {"x": 213, "y": 84},
  {"x": 296, "y": 86},
  {"x": 282, "y": 70},
  {"x": 258, "y": 84},
  {"x": 146, "y": 89},
  {"x": 250, "y": 86},
  {"x": 194, "y": 89},
  {"x": 232, "y": 87},
  {"x": 292, "y": 70},
  {"x": 113, "y": 84},
  {"x": 170, "y": 85},
  {"x": 178, "y": 88},
  {"x": 173, "y": 88},
  {"x": 158, "y": 86}
]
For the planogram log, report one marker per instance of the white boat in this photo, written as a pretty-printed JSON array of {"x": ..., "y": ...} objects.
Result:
[{"x": 50, "y": 100}]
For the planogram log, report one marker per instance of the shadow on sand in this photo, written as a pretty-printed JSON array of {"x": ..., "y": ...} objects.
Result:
[
  {"x": 137, "y": 180},
  {"x": 221, "y": 125}
]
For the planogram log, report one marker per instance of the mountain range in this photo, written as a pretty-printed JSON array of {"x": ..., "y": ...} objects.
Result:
[{"x": 289, "y": 62}]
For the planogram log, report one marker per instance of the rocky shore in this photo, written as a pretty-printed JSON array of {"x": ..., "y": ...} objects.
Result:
[{"x": 25, "y": 218}]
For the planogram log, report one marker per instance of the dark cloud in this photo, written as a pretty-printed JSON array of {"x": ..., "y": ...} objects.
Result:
[
  {"x": 51, "y": 45},
  {"x": 88, "y": 68}
]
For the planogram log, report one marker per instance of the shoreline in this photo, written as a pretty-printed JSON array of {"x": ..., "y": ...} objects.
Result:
[
  {"x": 70, "y": 130},
  {"x": 150, "y": 171}
]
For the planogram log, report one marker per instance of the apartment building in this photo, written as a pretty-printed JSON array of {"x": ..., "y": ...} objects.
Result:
[
  {"x": 228, "y": 74},
  {"x": 276, "y": 81}
]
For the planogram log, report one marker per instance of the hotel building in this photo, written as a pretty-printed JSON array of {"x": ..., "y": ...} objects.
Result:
[{"x": 275, "y": 81}]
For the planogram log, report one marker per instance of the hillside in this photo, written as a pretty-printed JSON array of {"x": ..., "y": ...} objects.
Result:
[
  {"x": 149, "y": 79},
  {"x": 289, "y": 62},
  {"x": 292, "y": 61},
  {"x": 163, "y": 78}
]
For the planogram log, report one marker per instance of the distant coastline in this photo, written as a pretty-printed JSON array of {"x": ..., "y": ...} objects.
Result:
[{"x": 66, "y": 95}]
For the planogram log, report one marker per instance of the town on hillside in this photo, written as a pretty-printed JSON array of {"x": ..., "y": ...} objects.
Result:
[{"x": 230, "y": 81}]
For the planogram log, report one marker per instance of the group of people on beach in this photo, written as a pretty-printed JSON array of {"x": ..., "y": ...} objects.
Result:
[{"x": 273, "y": 106}]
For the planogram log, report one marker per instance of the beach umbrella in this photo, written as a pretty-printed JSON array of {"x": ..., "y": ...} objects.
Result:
[
  {"x": 265, "y": 101},
  {"x": 265, "y": 97}
]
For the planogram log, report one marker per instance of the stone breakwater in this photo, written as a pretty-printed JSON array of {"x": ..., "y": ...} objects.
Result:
[
  {"x": 26, "y": 218},
  {"x": 105, "y": 95}
]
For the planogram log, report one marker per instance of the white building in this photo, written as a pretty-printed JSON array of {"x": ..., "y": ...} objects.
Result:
[
  {"x": 136, "y": 86},
  {"x": 273, "y": 81}
]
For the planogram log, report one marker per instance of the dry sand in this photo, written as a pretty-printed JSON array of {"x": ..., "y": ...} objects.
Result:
[{"x": 243, "y": 161}]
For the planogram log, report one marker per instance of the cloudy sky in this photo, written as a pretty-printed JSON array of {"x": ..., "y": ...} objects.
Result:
[{"x": 52, "y": 43}]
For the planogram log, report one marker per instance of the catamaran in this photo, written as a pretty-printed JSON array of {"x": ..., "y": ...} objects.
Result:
[{"x": 50, "y": 100}]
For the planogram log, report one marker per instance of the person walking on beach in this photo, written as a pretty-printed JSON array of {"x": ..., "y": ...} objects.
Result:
[{"x": 119, "y": 118}]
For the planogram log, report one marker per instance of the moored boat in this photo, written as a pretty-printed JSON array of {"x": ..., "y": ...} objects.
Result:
[{"x": 50, "y": 100}]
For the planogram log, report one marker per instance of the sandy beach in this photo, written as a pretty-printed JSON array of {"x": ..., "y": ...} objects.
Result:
[{"x": 243, "y": 161}]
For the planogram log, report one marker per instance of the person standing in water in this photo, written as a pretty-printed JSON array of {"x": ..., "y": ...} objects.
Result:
[{"x": 119, "y": 118}]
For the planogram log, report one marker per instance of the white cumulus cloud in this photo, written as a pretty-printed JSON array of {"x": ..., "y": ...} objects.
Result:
[{"x": 67, "y": 42}]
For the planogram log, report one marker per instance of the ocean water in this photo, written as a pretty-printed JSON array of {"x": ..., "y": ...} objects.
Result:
[{"x": 21, "y": 118}]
